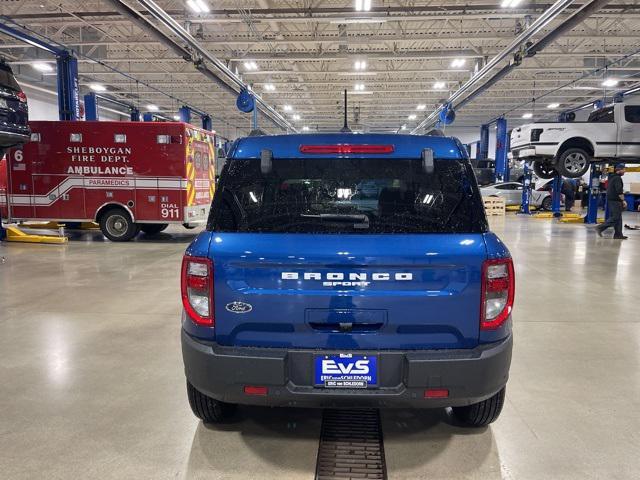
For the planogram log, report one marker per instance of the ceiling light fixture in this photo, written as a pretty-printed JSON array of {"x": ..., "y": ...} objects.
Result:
[
  {"x": 198, "y": 6},
  {"x": 403, "y": 127},
  {"x": 553, "y": 105},
  {"x": 152, "y": 108},
  {"x": 287, "y": 108},
  {"x": 305, "y": 129},
  {"x": 362, "y": 5},
  {"x": 42, "y": 67},
  {"x": 360, "y": 65},
  {"x": 439, "y": 85},
  {"x": 296, "y": 117},
  {"x": 358, "y": 87},
  {"x": 610, "y": 82},
  {"x": 250, "y": 65},
  {"x": 411, "y": 117},
  {"x": 96, "y": 87},
  {"x": 422, "y": 106},
  {"x": 458, "y": 62},
  {"x": 510, "y": 3},
  {"x": 527, "y": 115},
  {"x": 176, "y": 118},
  {"x": 269, "y": 86}
]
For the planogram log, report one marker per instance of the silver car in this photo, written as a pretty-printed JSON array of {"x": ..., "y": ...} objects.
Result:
[{"x": 512, "y": 194}]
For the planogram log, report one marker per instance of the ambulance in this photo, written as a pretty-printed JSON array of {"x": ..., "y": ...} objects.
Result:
[{"x": 126, "y": 176}]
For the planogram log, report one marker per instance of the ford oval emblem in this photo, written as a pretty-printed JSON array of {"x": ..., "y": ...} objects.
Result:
[{"x": 238, "y": 307}]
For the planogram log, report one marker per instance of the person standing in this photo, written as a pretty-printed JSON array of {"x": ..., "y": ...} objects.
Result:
[
  {"x": 615, "y": 200},
  {"x": 569, "y": 192}
]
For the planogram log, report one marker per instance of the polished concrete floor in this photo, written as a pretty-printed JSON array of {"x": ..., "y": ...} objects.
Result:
[{"x": 92, "y": 383}]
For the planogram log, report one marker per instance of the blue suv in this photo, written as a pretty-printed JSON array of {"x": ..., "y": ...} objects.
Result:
[{"x": 345, "y": 270}]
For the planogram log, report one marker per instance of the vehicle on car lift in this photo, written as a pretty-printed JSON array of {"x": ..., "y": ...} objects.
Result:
[
  {"x": 126, "y": 176},
  {"x": 14, "y": 112},
  {"x": 611, "y": 133},
  {"x": 347, "y": 270},
  {"x": 512, "y": 194}
]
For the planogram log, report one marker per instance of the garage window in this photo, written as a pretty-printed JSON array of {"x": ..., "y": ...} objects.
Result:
[{"x": 632, "y": 113}]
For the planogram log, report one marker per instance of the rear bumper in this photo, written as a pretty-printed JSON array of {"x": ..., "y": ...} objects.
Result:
[
  {"x": 470, "y": 375},
  {"x": 534, "y": 150}
]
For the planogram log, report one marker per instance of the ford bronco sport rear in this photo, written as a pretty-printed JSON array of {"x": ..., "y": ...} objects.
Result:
[{"x": 347, "y": 270}]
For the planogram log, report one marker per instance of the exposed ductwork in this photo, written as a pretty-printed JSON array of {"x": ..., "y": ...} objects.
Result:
[
  {"x": 542, "y": 21},
  {"x": 197, "y": 54},
  {"x": 223, "y": 73}
]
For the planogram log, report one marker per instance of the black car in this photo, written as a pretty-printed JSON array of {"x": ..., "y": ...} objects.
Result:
[{"x": 14, "y": 113}]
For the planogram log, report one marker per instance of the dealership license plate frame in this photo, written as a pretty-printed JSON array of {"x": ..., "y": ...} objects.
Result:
[{"x": 345, "y": 380}]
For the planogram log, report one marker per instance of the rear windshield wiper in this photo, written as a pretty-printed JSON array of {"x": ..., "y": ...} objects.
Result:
[{"x": 359, "y": 220}]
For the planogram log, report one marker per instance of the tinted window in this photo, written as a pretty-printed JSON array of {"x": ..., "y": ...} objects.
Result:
[
  {"x": 632, "y": 113},
  {"x": 7, "y": 80},
  {"x": 347, "y": 196},
  {"x": 604, "y": 115}
]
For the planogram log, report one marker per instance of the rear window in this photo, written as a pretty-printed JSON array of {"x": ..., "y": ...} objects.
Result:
[
  {"x": 632, "y": 113},
  {"x": 604, "y": 115},
  {"x": 348, "y": 196},
  {"x": 7, "y": 80}
]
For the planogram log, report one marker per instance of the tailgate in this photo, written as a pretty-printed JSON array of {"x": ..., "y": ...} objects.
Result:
[
  {"x": 520, "y": 136},
  {"x": 347, "y": 291}
]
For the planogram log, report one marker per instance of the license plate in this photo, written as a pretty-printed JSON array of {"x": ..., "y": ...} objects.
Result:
[{"x": 346, "y": 370}]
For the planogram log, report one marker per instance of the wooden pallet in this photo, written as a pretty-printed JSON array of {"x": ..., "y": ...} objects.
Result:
[{"x": 494, "y": 205}]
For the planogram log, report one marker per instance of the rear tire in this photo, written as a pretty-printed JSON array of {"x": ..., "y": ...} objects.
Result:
[
  {"x": 116, "y": 224},
  {"x": 153, "y": 228},
  {"x": 573, "y": 162},
  {"x": 547, "y": 203},
  {"x": 544, "y": 170},
  {"x": 482, "y": 413},
  {"x": 208, "y": 409}
]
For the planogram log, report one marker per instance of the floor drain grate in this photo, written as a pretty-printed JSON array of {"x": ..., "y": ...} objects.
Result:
[{"x": 351, "y": 446}]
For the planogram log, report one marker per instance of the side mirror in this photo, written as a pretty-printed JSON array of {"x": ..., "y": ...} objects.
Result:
[
  {"x": 428, "y": 165},
  {"x": 266, "y": 161}
]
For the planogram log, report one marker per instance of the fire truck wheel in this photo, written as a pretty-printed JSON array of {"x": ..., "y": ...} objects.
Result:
[
  {"x": 117, "y": 226},
  {"x": 153, "y": 228}
]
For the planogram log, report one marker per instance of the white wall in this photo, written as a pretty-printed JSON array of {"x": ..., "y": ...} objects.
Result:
[{"x": 44, "y": 106}]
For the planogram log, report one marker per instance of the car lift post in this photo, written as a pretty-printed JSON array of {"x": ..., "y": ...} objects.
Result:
[
  {"x": 526, "y": 190},
  {"x": 556, "y": 190},
  {"x": 68, "y": 92},
  {"x": 68, "y": 109},
  {"x": 147, "y": 117},
  {"x": 135, "y": 115},
  {"x": 483, "y": 147},
  {"x": 185, "y": 114},
  {"x": 207, "y": 123},
  {"x": 593, "y": 192},
  {"x": 502, "y": 147},
  {"x": 91, "y": 107}
]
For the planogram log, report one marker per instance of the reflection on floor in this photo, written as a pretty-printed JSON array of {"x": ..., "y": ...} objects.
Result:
[{"x": 92, "y": 381}]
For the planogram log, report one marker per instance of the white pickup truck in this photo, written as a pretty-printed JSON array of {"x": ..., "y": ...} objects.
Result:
[{"x": 611, "y": 133}]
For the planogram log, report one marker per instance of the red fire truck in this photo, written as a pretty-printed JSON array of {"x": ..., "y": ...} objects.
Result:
[{"x": 126, "y": 176}]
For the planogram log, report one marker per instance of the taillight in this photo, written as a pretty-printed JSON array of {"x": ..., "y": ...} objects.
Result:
[
  {"x": 498, "y": 292},
  {"x": 346, "y": 148},
  {"x": 22, "y": 97},
  {"x": 197, "y": 289}
]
